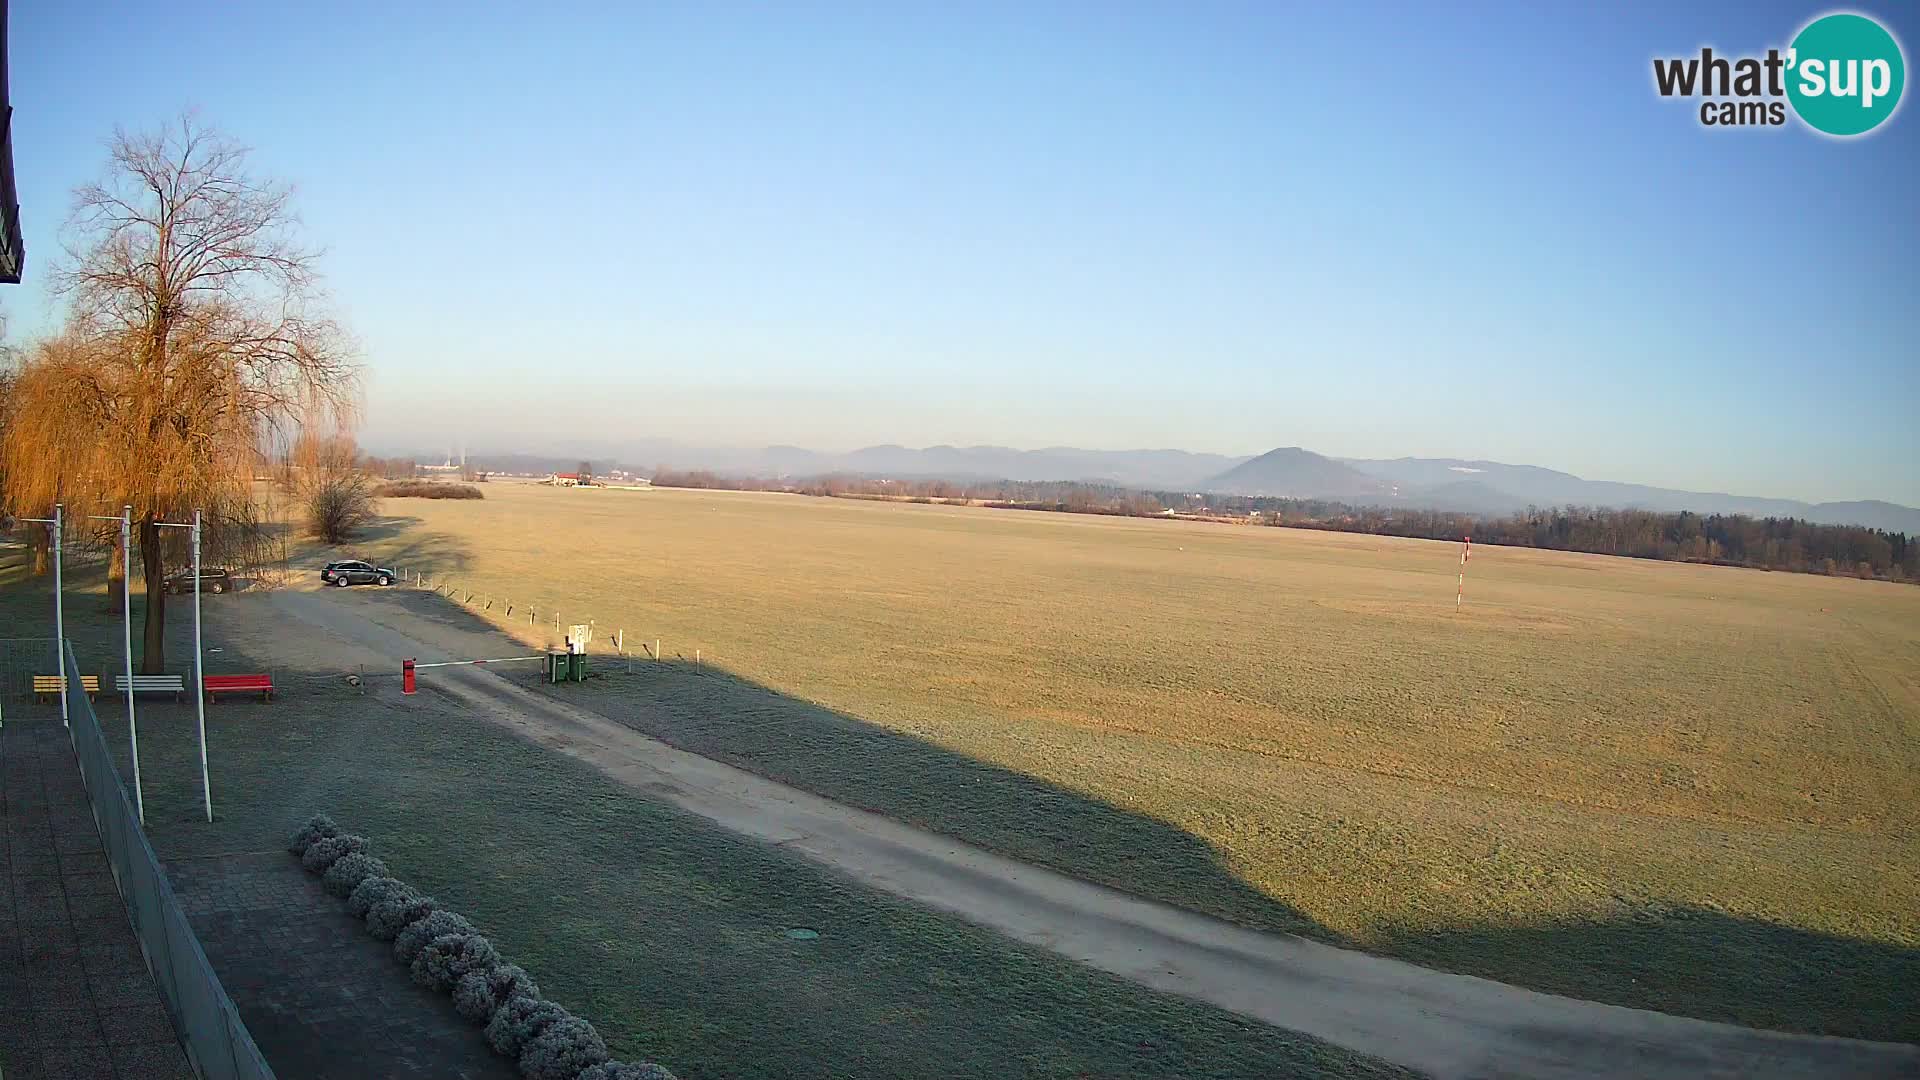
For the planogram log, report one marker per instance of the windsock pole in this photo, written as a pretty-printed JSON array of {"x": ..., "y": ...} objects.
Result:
[{"x": 1460, "y": 591}]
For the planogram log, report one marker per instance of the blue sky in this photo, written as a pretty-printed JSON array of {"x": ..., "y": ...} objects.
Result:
[{"x": 1368, "y": 230}]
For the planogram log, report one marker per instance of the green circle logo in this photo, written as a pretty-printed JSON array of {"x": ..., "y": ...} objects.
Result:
[{"x": 1845, "y": 74}]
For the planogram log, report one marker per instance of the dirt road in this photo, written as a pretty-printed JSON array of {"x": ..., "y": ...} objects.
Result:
[{"x": 1444, "y": 1024}]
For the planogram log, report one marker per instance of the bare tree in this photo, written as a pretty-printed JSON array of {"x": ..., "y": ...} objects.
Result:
[
  {"x": 335, "y": 488},
  {"x": 193, "y": 330},
  {"x": 339, "y": 505},
  {"x": 9, "y": 389}
]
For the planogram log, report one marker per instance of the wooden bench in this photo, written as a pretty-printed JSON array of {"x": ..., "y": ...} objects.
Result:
[
  {"x": 233, "y": 684},
  {"x": 153, "y": 684},
  {"x": 52, "y": 686}
]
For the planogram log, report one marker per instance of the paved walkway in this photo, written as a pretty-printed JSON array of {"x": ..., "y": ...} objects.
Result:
[
  {"x": 323, "y": 998},
  {"x": 76, "y": 999}
]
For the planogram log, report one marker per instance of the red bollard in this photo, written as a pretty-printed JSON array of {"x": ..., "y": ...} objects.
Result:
[{"x": 406, "y": 676}]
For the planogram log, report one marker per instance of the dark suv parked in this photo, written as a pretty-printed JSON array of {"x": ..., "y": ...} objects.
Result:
[
  {"x": 355, "y": 572},
  {"x": 214, "y": 579}
]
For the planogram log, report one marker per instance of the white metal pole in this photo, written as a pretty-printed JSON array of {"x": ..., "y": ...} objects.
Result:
[
  {"x": 126, "y": 640},
  {"x": 59, "y": 613},
  {"x": 199, "y": 694},
  {"x": 59, "y": 621}
]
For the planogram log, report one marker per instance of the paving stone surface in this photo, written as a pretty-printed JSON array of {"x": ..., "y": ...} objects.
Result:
[
  {"x": 322, "y": 997},
  {"x": 76, "y": 998}
]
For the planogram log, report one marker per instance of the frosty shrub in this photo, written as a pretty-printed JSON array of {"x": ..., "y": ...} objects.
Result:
[
  {"x": 324, "y": 853},
  {"x": 317, "y": 828},
  {"x": 620, "y": 1070},
  {"x": 444, "y": 951},
  {"x": 479, "y": 992},
  {"x": 372, "y": 889},
  {"x": 517, "y": 1021},
  {"x": 409, "y": 943},
  {"x": 349, "y": 871},
  {"x": 387, "y": 917},
  {"x": 562, "y": 1050},
  {"x": 449, "y": 957}
]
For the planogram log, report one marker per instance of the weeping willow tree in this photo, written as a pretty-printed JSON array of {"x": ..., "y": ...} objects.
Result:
[
  {"x": 39, "y": 472},
  {"x": 193, "y": 335}
]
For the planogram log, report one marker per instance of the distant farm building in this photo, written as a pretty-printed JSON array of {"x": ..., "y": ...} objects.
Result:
[
  {"x": 617, "y": 482},
  {"x": 449, "y": 467}
]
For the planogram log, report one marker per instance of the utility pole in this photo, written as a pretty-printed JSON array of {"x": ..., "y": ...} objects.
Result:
[
  {"x": 126, "y": 644},
  {"x": 59, "y": 609},
  {"x": 199, "y": 692}
]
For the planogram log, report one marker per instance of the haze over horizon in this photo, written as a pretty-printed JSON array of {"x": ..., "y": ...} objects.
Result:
[
  {"x": 1370, "y": 233},
  {"x": 727, "y": 459}
]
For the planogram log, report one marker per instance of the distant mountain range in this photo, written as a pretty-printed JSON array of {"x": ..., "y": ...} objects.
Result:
[
  {"x": 1494, "y": 487},
  {"x": 1125, "y": 468},
  {"x": 1481, "y": 487},
  {"x": 1155, "y": 469},
  {"x": 1491, "y": 487}
]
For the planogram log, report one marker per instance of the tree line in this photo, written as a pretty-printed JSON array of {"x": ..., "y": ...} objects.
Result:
[{"x": 1773, "y": 543}]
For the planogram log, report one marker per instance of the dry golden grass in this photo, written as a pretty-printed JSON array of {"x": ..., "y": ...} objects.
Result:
[{"x": 1684, "y": 787}]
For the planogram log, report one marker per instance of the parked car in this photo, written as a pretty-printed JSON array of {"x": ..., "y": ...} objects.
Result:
[
  {"x": 354, "y": 572},
  {"x": 214, "y": 579}
]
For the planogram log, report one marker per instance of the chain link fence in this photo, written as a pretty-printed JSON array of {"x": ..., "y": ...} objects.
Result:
[
  {"x": 216, "y": 1041},
  {"x": 20, "y": 660}
]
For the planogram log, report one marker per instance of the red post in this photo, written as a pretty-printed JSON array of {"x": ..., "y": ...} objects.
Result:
[{"x": 406, "y": 676}]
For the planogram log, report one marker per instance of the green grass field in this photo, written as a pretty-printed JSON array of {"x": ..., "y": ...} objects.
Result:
[
  {"x": 666, "y": 931},
  {"x": 1680, "y": 787}
]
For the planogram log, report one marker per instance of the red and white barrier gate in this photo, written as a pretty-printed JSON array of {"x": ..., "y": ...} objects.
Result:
[{"x": 408, "y": 667}]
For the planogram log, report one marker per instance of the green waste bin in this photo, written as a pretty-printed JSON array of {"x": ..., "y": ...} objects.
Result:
[
  {"x": 578, "y": 670},
  {"x": 558, "y": 667}
]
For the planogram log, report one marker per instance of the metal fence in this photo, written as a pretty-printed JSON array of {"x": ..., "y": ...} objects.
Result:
[
  {"x": 216, "y": 1041},
  {"x": 20, "y": 660}
]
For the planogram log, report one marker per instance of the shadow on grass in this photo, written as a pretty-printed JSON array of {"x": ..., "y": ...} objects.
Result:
[
  {"x": 1692, "y": 961},
  {"x": 1682, "y": 960},
  {"x": 716, "y": 714},
  {"x": 16, "y": 562},
  {"x": 667, "y": 931},
  {"x": 720, "y": 715},
  {"x": 387, "y": 528},
  {"x": 434, "y": 553},
  {"x": 457, "y": 619}
]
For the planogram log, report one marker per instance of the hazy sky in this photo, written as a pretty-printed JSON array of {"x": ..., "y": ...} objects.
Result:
[{"x": 1370, "y": 231}]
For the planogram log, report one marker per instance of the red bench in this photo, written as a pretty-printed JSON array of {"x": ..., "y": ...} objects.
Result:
[{"x": 229, "y": 684}]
